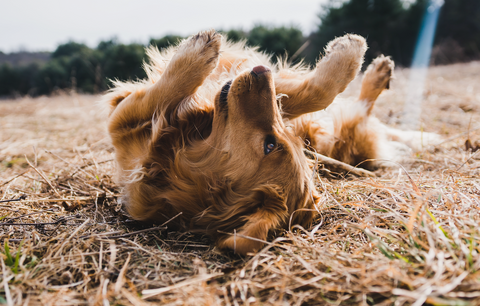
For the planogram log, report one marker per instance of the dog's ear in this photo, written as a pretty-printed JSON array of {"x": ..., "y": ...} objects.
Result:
[
  {"x": 269, "y": 211},
  {"x": 112, "y": 99},
  {"x": 116, "y": 95}
]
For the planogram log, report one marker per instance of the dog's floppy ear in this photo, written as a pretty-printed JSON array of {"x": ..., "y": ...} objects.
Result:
[
  {"x": 269, "y": 211},
  {"x": 117, "y": 94}
]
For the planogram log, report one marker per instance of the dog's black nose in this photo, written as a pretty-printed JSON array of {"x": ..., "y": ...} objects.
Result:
[{"x": 260, "y": 69}]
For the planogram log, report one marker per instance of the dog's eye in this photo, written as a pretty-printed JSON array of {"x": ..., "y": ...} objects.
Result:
[
  {"x": 224, "y": 92},
  {"x": 269, "y": 144}
]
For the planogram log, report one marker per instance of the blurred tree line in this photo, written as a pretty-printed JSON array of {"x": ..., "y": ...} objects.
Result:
[
  {"x": 77, "y": 67},
  {"x": 390, "y": 26}
]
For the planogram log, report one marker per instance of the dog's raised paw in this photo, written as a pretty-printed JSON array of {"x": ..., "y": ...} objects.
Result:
[
  {"x": 380, "y": 71},
  {"x": 203, "y": 47},
  {"x": 341, "y": 63},
  {"x": 343, "y": 57},
  {"x": 350, "y": 45}
]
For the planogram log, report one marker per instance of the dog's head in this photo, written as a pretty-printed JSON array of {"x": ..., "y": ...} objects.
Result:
[
  {"x": 261, "y": 159},
  {"x": 248, "y": 125}
]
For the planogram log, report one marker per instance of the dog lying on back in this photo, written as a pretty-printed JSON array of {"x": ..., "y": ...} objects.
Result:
[{"x": 218, "y": 136}]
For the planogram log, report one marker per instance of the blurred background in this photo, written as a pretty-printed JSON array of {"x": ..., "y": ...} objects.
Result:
[{"x": 49, "y": 46}]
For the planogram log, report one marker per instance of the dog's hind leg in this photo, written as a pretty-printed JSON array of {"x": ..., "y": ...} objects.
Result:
[
  {"x": 194, "y": 60},
  {"x": 316, "y": 90},
  {"x": 375, "y": 80},
  {"x": 360, "y": 136}
]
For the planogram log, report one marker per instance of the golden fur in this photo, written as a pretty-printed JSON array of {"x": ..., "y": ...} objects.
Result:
[{"x": 232, "y": 163}]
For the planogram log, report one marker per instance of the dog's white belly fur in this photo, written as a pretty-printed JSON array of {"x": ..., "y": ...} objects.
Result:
[{"x": 392, "y": 144}]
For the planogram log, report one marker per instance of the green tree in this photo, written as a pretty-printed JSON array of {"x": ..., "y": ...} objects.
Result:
[
  {"x": 9, "y": 80},
  {"x": 82, "y": 69},
  {"x": 106, "y": 44},
  {"x": 381, "y": 22},
  {"x": 276, "y": 40},
  {"x": 73, "y": 66},
  {"x": 235, "y": 35},
  {"x": 68, "y": 49},
  {"x": 459, "y": 25},
  {"x": 165, "y": 41},
  {"x": 53, "y": 76},
  {"x": 26, "y": 79},
  {"x": 123, "y": 62},
  {"x": 18, "y": 80}
]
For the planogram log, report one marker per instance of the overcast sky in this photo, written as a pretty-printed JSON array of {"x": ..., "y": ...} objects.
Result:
[{"x": 40, "y": 25}]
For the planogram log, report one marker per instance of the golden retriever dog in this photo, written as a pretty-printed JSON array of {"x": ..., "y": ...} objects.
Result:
[{"x": 216, "y": 135}]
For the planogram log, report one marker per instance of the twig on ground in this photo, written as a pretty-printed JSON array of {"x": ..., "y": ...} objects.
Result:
[
  {"x": 201, "y": 278},
  {"x": 168, "y": 221},
  {"x": 22, "y": 197},
  {"x": 71, "y": 236},
  {"x": 467, "y": 160},
  {"x": 338, "y": 165},
  {"x": 62, "y": 219},
  {"x": 138, "y": 232},
  {"x": 121, "y": 276},
  {"x": 11, "y": 179},
  {"x": 97, "y": 163},
  {"x": 30, "y": 214},
  {"x": 69, "y": 163},
  {"x": 44, "y": 177},
  {"x": 67, "y": 199}
]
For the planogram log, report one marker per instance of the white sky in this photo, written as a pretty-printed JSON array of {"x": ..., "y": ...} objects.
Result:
[{"x": 37, "y": 25}]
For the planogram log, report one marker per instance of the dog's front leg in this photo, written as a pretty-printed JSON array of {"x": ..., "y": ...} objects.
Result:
[
  {"x": 194, "y": 60},
  {"x": 316, "y": 90}
]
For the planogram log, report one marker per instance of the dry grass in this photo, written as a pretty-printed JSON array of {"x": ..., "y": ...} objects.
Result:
[{"x": 394, "y": 240}]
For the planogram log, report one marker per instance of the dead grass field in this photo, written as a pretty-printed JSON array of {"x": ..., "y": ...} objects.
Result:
[{"x": 396, "y": 239}]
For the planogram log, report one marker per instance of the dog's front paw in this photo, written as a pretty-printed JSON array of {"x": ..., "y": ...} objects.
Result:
[
  {"x": 342, "y": 61},
  {"x": 201, "y": 50},
  {"x": 349, "y": 47}
]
